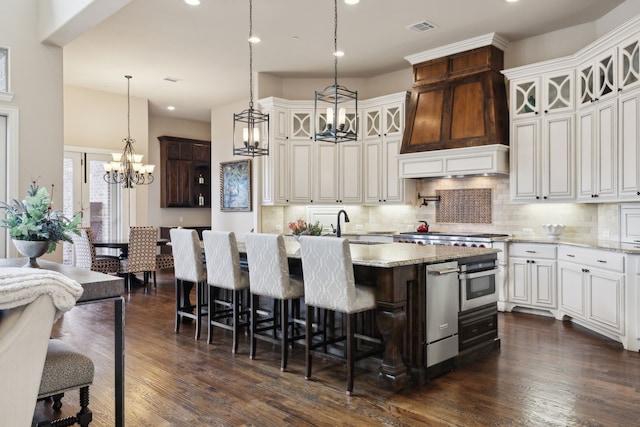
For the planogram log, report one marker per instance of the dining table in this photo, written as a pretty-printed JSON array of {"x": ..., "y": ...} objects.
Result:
[
  {"x": 97, "y": 288},
  {"x": 122, "y": 245}
]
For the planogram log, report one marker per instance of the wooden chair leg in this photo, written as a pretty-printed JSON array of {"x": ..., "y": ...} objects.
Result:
[
  {"x": 350, "y": 351},
  {"x": 284, "y": 326},
  {"x": 236, "y": 319},
  {"x": 253, "y": 321},
  {"x": 211, "y": 311},
  {"x": 308, "y": 340}
]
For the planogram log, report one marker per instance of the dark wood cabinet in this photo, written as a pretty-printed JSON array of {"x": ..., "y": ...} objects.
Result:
[
  {"x": 185, "y": 173},
  {"x": 478, "y": 327},
  {"x": 457, "y": 101}
]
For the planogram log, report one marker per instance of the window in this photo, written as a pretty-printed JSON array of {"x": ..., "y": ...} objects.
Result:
[{"x": 4, "y": 69}]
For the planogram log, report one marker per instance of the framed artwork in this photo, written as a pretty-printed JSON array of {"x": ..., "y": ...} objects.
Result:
[{"x": 235, "y": 186}]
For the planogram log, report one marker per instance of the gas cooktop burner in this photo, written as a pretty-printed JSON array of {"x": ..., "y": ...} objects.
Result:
[{"x": 445, "y": 238}]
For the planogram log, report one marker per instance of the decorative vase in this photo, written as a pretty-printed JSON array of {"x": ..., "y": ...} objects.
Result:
[{"x": 32, "y": 249}]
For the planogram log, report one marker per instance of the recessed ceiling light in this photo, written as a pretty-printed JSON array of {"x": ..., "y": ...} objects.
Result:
[
  {"x": 338, "y": 53},
  {"x": 192, "y": 2},
  {"x": 511, "y": 1},
  {"x": 351, "y": 1},
  {"x": 254, "y": 39},
  {"x": 171, "y": 107}
]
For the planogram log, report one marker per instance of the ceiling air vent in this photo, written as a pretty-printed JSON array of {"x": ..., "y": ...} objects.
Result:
[{"x": 422, "y": 26}]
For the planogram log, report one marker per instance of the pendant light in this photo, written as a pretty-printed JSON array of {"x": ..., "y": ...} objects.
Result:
[
  {"x": 247, "y": 138},
  {"x": 127, "y": 168},
  {"x": 334, "y": 100}
]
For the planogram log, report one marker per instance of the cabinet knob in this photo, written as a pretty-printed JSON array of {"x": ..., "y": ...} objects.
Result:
[
  {"x": 536, "y": 113},
  {"x": 545, "y": 197},
  {"x": 537, "y": 197},
  {"x": 546, "y": 111},
  {"x": 638, "y": 193}
]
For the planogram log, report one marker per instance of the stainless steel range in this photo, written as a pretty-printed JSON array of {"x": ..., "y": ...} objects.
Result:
[{"x": 474, "y": 240}]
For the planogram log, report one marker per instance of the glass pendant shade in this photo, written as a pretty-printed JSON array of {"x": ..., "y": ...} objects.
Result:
[
  {"x": 335, "y": 100},
  {"x": 251, "y": 123}
]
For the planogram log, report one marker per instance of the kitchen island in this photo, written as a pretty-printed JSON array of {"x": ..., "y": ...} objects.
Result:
[{"x": 397, "y": 270}]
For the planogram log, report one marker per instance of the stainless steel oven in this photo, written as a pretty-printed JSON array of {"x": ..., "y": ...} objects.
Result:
[{"x": 477, "y": 284}]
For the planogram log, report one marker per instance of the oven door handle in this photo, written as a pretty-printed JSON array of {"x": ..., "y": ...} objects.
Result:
[{"x": 483, "y": 273}]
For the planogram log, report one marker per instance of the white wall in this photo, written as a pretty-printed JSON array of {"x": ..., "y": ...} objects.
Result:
[
  {"x": 222, "y": 151},
  {"x": 170, "y": 217},
  {"x": 99, "y": 120},
  {"x": 36, "y": 80}
]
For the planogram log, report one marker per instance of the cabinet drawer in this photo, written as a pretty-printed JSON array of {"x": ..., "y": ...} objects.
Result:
[
  {"x": 532, "y": 250},
  {"x": 593, "y": 258}
]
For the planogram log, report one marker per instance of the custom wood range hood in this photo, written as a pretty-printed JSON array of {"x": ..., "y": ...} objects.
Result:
[{"x": 458, "y": 100}]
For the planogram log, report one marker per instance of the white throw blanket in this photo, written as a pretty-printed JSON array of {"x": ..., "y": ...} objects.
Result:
[{"x": 21, "y": 286}]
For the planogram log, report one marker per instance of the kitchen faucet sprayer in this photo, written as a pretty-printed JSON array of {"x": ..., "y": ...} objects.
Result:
[{"x": 346, "y": 219}]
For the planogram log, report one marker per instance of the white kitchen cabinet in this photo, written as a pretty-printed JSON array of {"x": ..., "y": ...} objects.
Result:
[
  {"x": 532, "y": 276},
  {"x": 339, "y": 173},
  {"x": 542, "y": 159},
  {"x": 592, "y": 288},
  {"x": 301, "y": 169},
  {"x": 597, "y": 79},
  {"x": 629, "y": 146},
  {"x": 550, "y": 93},
  {"x": 596, "y": 152},
  {"x": 629, "y": 63},
  {"x": 630, "y": 223},
  {"x": 275, "y": 173},
  {"x": 301, "y": 124},
  {"x": 383, "y": 129}
]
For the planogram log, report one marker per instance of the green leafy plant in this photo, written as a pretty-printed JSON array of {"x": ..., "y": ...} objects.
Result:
[
  {"x": 33, "y": 219},
  {"x": 300, "y": 227}
]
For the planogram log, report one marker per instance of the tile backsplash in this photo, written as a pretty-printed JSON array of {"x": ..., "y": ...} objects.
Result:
[{"x": 581, "y": 219}]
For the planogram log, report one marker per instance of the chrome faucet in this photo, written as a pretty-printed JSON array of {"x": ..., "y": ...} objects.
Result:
[{"x": 346, "y": 219}]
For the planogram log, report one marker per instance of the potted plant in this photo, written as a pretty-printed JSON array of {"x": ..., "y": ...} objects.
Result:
[
  {"x": 34, "y": 226},
  {"x": 300, "y": 227}
]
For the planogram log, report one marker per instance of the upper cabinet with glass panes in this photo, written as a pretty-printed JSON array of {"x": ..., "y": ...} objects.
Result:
[
  {"x": 597, "y": 79},
  {"x": 546, "y": 94},
  {"x": 629, "y": 63}
]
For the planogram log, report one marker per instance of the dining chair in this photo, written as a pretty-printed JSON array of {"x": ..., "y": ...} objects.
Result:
[
  {"x": 189, "y": 270},
  {"x": 224, "y": 273},
  {"x": 163, "y": 262},
  {"x": 329, "y": 283},
  {"x": 86, "y": 257},
  {"x": 269, "y": 277},
  {"x": 66, "y": 369},
  {"x": 141, "y": 255}
]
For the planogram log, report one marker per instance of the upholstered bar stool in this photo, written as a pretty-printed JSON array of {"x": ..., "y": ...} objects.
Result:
[
  {"x": 65, "y": 369},
  {"x": 223, "y": 272},
  {"x": 86, "y": 257},
  {"x": 269, "y": 274},
  {"x": 188, "y": 270},
  {"x": 329, "y": 283}
]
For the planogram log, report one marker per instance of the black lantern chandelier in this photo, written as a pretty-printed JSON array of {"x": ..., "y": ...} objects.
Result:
[
  {"x": 334, "y": 100},
  {"x": 247, "y": 140},
  {"x": 127, "y": 168}
]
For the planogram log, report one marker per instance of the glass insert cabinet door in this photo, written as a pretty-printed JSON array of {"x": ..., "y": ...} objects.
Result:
[{"x": 85, "y": 189}]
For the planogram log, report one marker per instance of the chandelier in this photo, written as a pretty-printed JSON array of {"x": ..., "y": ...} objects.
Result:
[
  {"x": 127, "y": 168},
  {"x": 334, "y": 100},
  {"x": 246, "y": 125}
]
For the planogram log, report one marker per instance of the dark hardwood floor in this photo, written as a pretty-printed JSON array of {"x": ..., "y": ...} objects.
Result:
[{"x": 547, "y": 373}]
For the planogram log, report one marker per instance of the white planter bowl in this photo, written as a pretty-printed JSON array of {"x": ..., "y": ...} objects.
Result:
[{"x": 553, "y": 231}]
